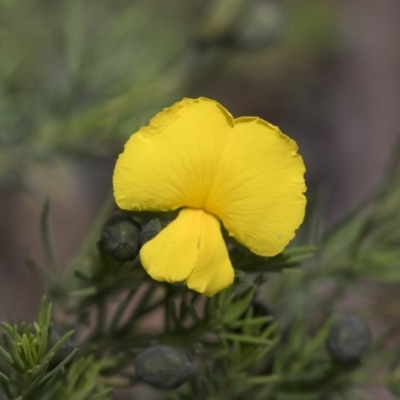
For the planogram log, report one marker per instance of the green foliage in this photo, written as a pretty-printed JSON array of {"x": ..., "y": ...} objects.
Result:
[
  {"x": 372, "y": 232},
  {"x": 77, "y": 78},
  {"x": 81, "y": 381},
  {"x": 235, "y": 351},
  {"x": 27, "y": 354},
  {"x": 80, "y": 77}
]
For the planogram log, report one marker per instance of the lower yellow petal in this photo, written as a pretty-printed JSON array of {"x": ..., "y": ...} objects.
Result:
[{"x": 190, "y": 249}]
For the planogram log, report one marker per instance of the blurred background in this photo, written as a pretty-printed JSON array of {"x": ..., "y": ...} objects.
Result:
[{"x": 78, "y": 77}]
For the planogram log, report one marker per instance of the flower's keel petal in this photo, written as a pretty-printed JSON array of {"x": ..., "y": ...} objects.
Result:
[
  {"x": 171, "y": 255},
  {"x": 190, "y": 249},
  {"x": 171, "y": 163},
  {"x": 258, "y": 188},
  {"x": 213, "y": 271}
]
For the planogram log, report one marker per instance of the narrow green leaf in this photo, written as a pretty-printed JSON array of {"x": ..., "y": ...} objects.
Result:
[
  {"x": 73, "y": 33},
  {"x": 144, "y": 300},
  {"x": 39, "y": 270},
  {"x": 6, "y": 390},
  {"x": 26, "y": 348},
  {"x": 83, "y": 274},
  {"x": 256, "y": 355},
  {"x": 263, "y": 380},
  {"x": 211, "y": 307},
  {"x": 218, "y": 317},
  {"x": 8, "y": 328},
  {"x": 59, "y": 366},
  {"x": 225, "y": 298},
  {"x": 244, "y": 339},
  {"x": 6, "y": 356},
  {"x": 40, "y": 373},
  {"x": 47, "y": 317},
  {"x": 88, "y": 291},
  {"x": 270, "y": 330},
  {"x": 12, "y": 347},
  {"x": 317, "y": 342},
  {"x": 4, "y": 378},
  {"x": 193, "y": 313},
  {"x": 298, "y": 396},
  {"x": 43, "y": 339},
  {"x": 236, "y": 353},
  {"x": 172, "y": 312},
  {"x": 183, "y": 305},
  {"x": 251, "y": 321},
  {"x": 53, "y": 350},
  {"x": 37, "y": 327},
  {"x": 238, "y": 308},
  {"x": 93, "y": 236},
  {"x": 42, "y": 311},
  {"x": 115, "y": 321},
  {"x": 300, "y": 253},
  {"x": 34, "y": 371},
  {"x": 46, "y": 237}
]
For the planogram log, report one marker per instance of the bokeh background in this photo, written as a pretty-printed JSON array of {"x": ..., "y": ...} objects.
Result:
[{"x": 77, "y": 77}]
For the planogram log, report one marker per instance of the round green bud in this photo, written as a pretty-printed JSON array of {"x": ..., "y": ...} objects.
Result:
[
  {"x": 348, "y": 339},
  {"x": 151, "y": 230},
  {"x": 162, "y": 367},
  {"x": 120, "y": 238}
]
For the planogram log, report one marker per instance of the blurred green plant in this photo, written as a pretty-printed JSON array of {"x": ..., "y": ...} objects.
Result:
[
  {"x": 79, "y": 77},
  {"x": 209, "y": 348},
  {"x": 27, "y": 355}
]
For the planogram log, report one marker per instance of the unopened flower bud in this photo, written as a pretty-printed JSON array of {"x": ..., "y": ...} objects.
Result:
[
  {"x": 151, "y": 230},
  {"x": 120, "y": 238},
  {"x": 348, "y": 339},
  {"x": 162, "y": 367}
]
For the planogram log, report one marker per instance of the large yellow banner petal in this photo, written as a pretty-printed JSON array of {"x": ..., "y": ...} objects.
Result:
[{"x": 171, "y": 163}]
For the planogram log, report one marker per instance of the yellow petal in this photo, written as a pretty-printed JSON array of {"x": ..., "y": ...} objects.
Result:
[
  {"x": 190, "y": 249},
  {"x": 171, "y": 163},
  {"x": 258, "y": 188}
]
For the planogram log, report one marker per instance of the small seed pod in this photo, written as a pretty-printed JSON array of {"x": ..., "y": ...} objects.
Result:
[
  {"x": 162, "y": 367},
  {"x": 151, "y": 230},
  {"x": 348, "y": 339},
  {"x": 120, "y": 238}
]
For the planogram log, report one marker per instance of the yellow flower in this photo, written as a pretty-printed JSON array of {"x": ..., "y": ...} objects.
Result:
[{"x": 196, "y": 157}]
